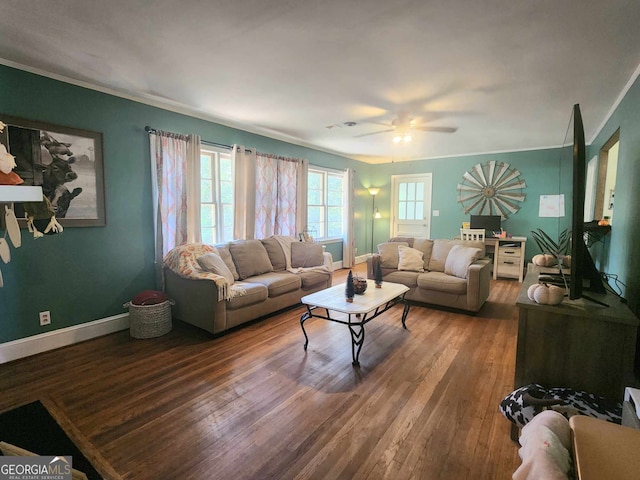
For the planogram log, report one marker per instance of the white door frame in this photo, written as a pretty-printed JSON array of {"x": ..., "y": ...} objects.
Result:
[{"x": 395, "y": 180}]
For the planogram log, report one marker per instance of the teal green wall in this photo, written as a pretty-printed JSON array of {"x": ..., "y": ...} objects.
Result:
[
  {"x": 540, "y": 169},
  {"x": 622, "y": 252},
  {"x": 86, "y": 274}
]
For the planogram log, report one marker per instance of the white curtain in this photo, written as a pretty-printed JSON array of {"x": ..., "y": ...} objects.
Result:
[
  {"x": 301, "y": 197},
  {"x": 244, "y": 161},
  {"x": 348, "y": 240},
  {"x": 174, "y": 163},
  {"x": 280, "y": 195},
  {"x": 194, "y": 234}
]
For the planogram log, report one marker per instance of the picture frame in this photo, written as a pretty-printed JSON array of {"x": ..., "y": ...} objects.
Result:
[{"x": 68, "y": 164}]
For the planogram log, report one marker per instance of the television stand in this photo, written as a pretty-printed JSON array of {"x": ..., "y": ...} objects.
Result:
[
  {"x": 558, "y": 279},
  {"x": 564, "y": 280},
  {"x": 576, "y": 344},
  {"x": 591, "y": 299}
]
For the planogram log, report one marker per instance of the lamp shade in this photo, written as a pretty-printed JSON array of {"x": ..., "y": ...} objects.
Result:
[
  {"x": 20, "y": 193},
  {"x": 374, "y": 191}
]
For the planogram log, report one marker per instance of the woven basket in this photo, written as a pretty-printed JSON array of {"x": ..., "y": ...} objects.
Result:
[{"x": 149, "y": 321}]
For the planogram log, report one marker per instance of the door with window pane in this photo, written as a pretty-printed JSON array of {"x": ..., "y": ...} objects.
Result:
[{"x": 411, "y": 210}]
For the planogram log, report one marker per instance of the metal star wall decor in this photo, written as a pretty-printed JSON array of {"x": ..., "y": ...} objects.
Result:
[{"x": 491, "y": 188}]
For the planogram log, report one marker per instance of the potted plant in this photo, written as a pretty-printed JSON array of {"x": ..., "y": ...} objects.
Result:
[{"x": 558, "y": 250}]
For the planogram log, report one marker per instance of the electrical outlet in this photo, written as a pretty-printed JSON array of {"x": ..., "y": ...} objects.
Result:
[{"x": 45, "y": 318}]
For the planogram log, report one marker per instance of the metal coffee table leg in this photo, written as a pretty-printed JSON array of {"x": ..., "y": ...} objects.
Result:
[
  {"x": 304, "y": 317},
  {"x": 357, "y": 340},
  {"x": 405, "y": 312}
]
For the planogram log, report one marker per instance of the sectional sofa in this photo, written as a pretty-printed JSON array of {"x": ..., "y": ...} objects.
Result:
[{"x": 220, "y": 287}]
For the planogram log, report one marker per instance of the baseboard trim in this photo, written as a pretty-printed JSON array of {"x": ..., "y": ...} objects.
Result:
[
  {"x": 25, "y": 347},
  {"x": 362, "y": 258},
  {"x": 359, "y": 259}
]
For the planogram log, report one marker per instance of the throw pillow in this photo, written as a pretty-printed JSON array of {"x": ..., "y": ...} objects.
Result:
[
  {"x": 459, "y": 259},
  {"x": 439, "y": 254},
  {"x": 472, "y": 243},
  {"x": 210, "y": 262},
  {"x": 250, "y": 258},
  {"x": 275, "y": 252},
  {"x": 426, "y": 247},
  {"x": 225, "y": 254},
  {"x": 388, "y": 252},
  {"x": 407, "y": 240},
  {"x": 410, "y": 259},
  {"x": 306, "y": 254}
]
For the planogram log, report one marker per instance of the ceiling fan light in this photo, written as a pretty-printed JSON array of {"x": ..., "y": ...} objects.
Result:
[
  {"x": 397, "y": 138},
  {"x": 407, "y": 138}
]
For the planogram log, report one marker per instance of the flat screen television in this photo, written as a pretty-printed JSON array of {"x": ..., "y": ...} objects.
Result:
[
  {"x": 491, "y": 223},
  {"x": 584, "y": 274}
]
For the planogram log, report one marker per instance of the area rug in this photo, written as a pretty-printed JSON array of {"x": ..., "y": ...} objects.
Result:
[{"x": 33, "y": 428}]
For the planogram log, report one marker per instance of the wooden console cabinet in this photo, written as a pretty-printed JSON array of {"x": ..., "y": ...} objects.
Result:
[{"x": 577, "y": 344}]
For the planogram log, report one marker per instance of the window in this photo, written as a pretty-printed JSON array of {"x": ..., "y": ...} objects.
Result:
[
  {"x": 410, "y": 200},
  {"x": 216, "y": 195},
  {"x": 325, "y": 199}
]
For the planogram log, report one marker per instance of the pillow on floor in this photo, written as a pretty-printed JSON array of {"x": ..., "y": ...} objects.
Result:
[
  {"x": 410, "y": 259},
  {"x": 459, "y": 259},
  {"x": 210, "y": 262}
]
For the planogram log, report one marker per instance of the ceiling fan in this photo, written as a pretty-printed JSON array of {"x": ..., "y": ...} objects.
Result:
[{"x": 403, "y": 125}]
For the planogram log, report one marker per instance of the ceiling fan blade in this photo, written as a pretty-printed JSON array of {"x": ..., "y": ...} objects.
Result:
[
  {"x": 437, "y": 129},
  {"x": 374, "y": 122},
  {"x": 373, "y": 133}
]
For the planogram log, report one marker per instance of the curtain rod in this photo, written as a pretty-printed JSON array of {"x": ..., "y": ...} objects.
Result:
[{"x": 150, "y": 130}]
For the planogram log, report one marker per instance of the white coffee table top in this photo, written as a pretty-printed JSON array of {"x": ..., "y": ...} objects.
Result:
[{"x": 334, "y": 298}]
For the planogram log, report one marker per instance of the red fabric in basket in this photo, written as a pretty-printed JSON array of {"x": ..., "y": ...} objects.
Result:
[{"x": 149, "y": 297}]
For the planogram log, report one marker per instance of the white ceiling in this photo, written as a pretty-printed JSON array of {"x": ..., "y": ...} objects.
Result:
[{"x": 504, "y": 72}]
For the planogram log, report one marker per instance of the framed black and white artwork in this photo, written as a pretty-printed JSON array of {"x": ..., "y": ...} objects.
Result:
[{"x": 66, "y": 162}]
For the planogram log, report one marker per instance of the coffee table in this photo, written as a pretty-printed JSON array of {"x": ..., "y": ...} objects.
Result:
[{"x": 364, "y": 308}]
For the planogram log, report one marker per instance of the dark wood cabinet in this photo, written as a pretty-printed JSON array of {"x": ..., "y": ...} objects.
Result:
[{"x": 578, "y": 344}]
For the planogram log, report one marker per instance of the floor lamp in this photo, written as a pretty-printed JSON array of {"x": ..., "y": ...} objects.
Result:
[{"x": 374, "y": 212}]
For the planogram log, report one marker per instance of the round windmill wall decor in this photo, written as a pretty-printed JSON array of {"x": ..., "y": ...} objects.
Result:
[{"x": 491, "y": 188}]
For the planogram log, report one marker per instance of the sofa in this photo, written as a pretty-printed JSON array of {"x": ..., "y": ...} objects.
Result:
[
  {"x": 448, "y": 273},
  {"x": 218, "y": 287}
]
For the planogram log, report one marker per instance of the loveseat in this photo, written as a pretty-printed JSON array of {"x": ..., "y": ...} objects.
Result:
[
  {"x": 218, "y": 287},
  {"x": 449, "y": 273}
]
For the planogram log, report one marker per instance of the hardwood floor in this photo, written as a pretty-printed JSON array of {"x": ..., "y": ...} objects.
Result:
[{"x": 254, "y": 404}]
